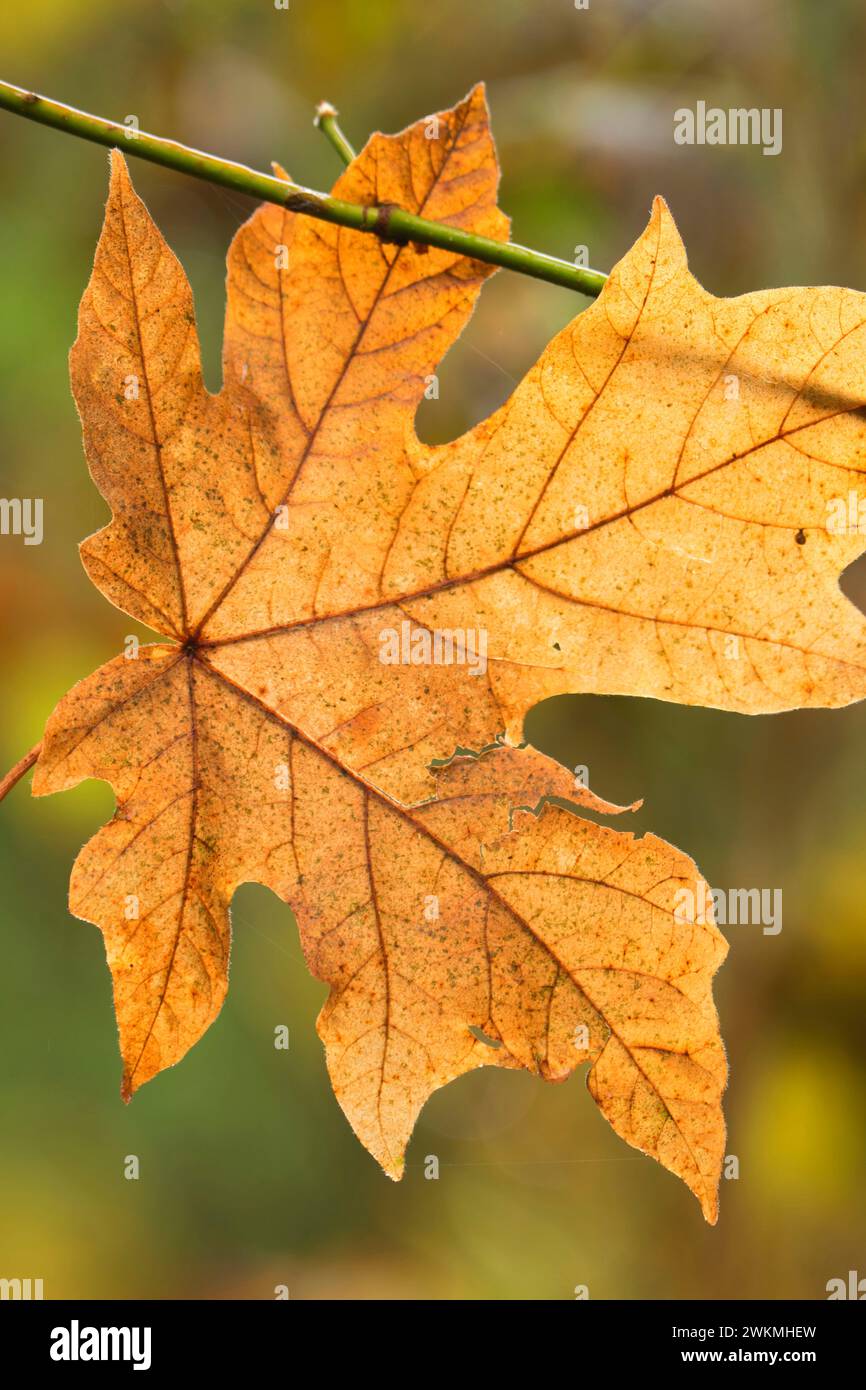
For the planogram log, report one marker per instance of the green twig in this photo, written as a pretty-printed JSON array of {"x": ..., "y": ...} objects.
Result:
[
  {"x": 326, "y": 122},
  {"x": 390, "y": 224}
]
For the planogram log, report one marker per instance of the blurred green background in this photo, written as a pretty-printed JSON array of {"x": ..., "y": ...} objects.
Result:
[{"x": 250, "y": 1176}]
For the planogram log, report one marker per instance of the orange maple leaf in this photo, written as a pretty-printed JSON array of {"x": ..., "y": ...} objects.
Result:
[{"x": 346, "y": 606}]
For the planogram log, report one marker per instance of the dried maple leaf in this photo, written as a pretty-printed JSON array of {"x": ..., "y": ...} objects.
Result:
[
  {"x": 441, "y": 929},
  {"x": 617, "y": 526}
]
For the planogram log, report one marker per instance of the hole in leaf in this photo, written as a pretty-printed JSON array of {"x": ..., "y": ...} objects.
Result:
[{"x": 482, "y": 1036}]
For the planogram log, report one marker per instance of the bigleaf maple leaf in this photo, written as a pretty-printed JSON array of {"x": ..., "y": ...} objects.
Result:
[{"x": 626, "y": 523}]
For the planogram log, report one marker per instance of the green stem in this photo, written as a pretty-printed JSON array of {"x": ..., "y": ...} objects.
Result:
[
  {"x": 326, "y": 121},
  {"x": 391, "y": 224}
]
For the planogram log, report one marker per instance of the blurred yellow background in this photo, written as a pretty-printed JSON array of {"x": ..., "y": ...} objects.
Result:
[{"x": 250, "y": 1176}]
